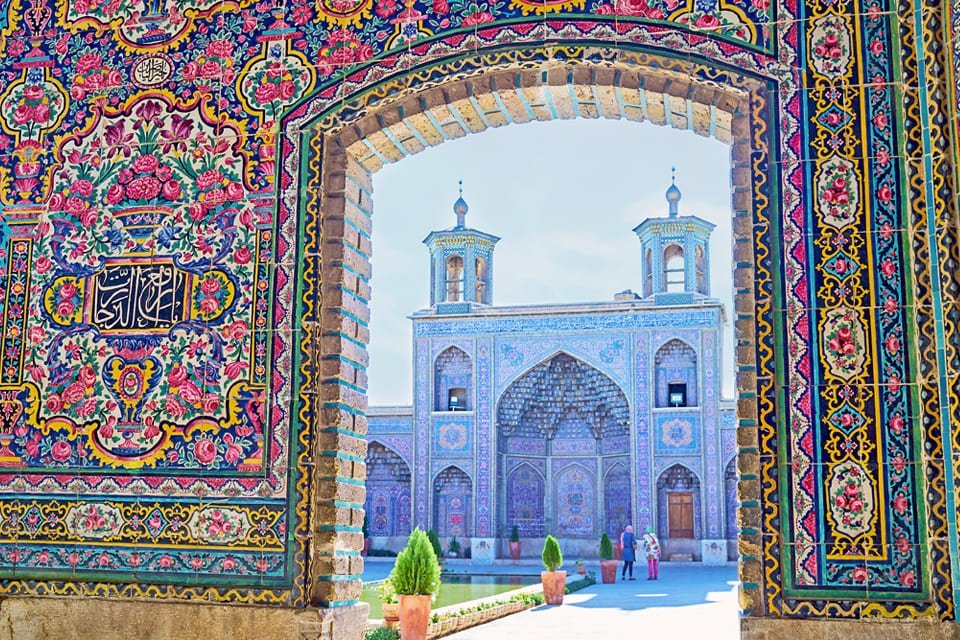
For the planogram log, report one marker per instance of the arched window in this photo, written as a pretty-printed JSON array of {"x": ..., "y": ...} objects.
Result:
[
  {"x": 453, "y": 381},
  {"x": 648, "y": 274},
  {"x": 388, "y": 492},
  {"x": 452, "y": 490},
  {"x": 678, "y": 500},
  {"x": 481, "y": 281},
  {"x": 673, "y": 269},
  {"x": 701, "y": 264},
  {"x": 676, "y": 375},
  {"x": 454, "y": 279}
]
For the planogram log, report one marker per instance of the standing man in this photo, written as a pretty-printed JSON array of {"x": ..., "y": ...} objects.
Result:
[
  {"x": 628, "y": 542},
  {"x": 651, "y": 546}
]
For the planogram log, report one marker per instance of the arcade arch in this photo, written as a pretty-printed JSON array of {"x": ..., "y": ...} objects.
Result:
[
  {"x": 387, "y": 503},
  {"x": 376, "y": 128},
  {"x": 566, "y": 421}
]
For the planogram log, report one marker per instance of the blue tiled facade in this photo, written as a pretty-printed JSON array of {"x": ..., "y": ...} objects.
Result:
[{"x": 569, "y": 419}]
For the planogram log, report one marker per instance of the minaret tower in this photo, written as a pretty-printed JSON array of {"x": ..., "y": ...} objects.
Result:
[
  {"x": 676, "y": 252},
  {"x": 461, "y": 264}
]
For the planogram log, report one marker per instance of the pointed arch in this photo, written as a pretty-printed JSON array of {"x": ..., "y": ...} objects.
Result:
[
  {"x": 453, "y": 380},
  {"x": 674, "y": 268},
  {"x": 550, "y": 388},
  {"x": 617, "y": 498},
  {"x": 388, "y": 486},
  {"x": 452, "y": 502},
  {"x": 678, "y": 503},
  {"x": 648, "y": 273},
  {"x": 574, "y": 499},
  {"x": 525, "y": 497},
  {"x": 482, "y": 280},
  {"x": 454, "y": 283},
  {"x": 676, "y": 375},
  {"x": 700, "y": 263}
]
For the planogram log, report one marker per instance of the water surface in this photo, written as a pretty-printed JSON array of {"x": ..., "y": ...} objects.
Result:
[{"x": 455, "y": 589}]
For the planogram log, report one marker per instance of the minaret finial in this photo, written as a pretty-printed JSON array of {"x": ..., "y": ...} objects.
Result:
[
  {"x": 673, "y": 193},
  {"x": 460, "y": 208}
]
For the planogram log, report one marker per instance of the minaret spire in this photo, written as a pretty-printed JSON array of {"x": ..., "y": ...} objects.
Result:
[
  {"x": 460, "y": 208},
  {"x": 673, "y": 193}
]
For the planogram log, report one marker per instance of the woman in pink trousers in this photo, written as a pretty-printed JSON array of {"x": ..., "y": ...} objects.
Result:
[{"x": 651, "y": 547}]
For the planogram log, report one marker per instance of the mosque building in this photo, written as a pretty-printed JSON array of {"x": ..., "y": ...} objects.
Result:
[{"x": 562, "y": 419}]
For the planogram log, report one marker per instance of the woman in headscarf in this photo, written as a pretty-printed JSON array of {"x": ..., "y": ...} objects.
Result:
[
  {"x": 628, "y": 542},
  {"x": 651, "y": 547}
]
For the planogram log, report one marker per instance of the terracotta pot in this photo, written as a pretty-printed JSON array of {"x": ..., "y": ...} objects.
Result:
[
  {"x": 514, "y": 550},
  {"x": 554, "y": 584},
  {"x": 414, "y": 617},
  {"x": 391, "y": 614},
  {"x": 608, "y": 571}
]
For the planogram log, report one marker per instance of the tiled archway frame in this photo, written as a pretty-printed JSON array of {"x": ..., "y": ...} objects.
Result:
[
  {"x": 370, "y": 121},
  {"x": 356, "y": 136}
]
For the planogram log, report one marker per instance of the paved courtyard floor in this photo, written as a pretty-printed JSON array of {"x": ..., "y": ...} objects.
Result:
[{"x": 686, "y": 602}]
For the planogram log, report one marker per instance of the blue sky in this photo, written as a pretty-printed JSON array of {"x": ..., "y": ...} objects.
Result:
[{"x": 563, "y": 196}]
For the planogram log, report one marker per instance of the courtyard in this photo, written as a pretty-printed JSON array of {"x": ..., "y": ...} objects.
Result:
[{"x": 687, "y": 601}]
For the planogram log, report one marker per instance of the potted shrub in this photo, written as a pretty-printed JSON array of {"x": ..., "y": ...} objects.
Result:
[
  {"x": 454, "y": 549},
  {"x": 554, "y": 582},
  {"x": 515, "y": 543},
  {"x": 608, "y": 566},
  {"x": 581, "y": 568},
  {"x": 389, "y": 604},
  {"x": 415, "y": 579}
]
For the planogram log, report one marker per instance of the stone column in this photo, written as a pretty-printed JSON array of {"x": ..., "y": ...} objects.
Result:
[{"x": 339, "y": 406}]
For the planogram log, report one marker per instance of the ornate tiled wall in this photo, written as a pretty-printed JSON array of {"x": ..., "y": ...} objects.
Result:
[
  {"x": 181, "y": 325},
  {"x": 530, "y": 358}
]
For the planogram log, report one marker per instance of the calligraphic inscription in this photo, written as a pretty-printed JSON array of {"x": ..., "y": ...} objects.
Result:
[
  {"x": 134, "y": 297},
  {"x": 149, "y": 71}
]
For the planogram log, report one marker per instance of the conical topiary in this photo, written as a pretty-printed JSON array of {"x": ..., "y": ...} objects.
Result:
[
  {"x": 551, "y": 556},
  {"x": 606, "y": 548},
  {"x": 416, "y": 571}
]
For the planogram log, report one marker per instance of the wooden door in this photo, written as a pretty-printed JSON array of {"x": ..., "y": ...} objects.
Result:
[{"x": 680, "y": 514}]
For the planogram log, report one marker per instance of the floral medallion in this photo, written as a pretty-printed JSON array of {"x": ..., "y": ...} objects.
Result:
[
  {"x": 32, "y": 105},
  {"x": 217, "y": 525},
  {"x": 453, "y": 437},
  {"x": 844, "y": 343},
  {"x": 274, "y": 80},
  {"x": 852, "y": 504},
  {"x": 830, "y": 47},
  {"x": 837, "y": 188},
  {"x": 93, "y": 521},
  {"x": 676, "y": 433}
]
